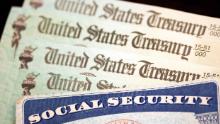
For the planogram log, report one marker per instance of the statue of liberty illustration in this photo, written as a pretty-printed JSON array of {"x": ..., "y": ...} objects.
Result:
[
  {"x": 29, "y": 83},
  {"x": 18, "y": 26},
  {"x": 36, "y": 3},
  {"x": 26, "y": 57}
]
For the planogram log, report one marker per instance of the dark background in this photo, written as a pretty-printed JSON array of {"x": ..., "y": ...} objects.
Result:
[{"x": 203, "y": 7}]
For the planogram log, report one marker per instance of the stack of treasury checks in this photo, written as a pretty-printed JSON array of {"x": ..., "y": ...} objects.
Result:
[{"x": 108, "y": 62}]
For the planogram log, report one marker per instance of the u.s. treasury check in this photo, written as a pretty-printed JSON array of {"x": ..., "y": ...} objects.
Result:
[
  {"x": 145, "y": 28},
  {"x": 45, "y": 67},
  {"x": 88, "y": 31}
]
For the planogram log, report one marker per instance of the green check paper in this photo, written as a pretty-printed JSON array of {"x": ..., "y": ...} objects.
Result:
[
  {"x": 91, "y": 31},
  {"x": 139, "y": 28},
  {"x": 41, "y": 60}
]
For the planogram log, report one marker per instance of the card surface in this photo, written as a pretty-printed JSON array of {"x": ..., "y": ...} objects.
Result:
[{"x": 188, "y": 104}]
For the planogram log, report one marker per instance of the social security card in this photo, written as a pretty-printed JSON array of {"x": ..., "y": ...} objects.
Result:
[{"x": 196, "y": 103}]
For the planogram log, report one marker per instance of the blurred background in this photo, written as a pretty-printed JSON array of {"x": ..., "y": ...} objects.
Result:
[{"x": 203, "y": 7}]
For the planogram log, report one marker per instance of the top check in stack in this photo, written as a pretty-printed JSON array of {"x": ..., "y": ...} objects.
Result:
[{"x": 52, "y": 47}]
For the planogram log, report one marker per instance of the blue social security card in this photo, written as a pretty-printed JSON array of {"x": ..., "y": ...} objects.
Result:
[{"x": 196, "y": 103}]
